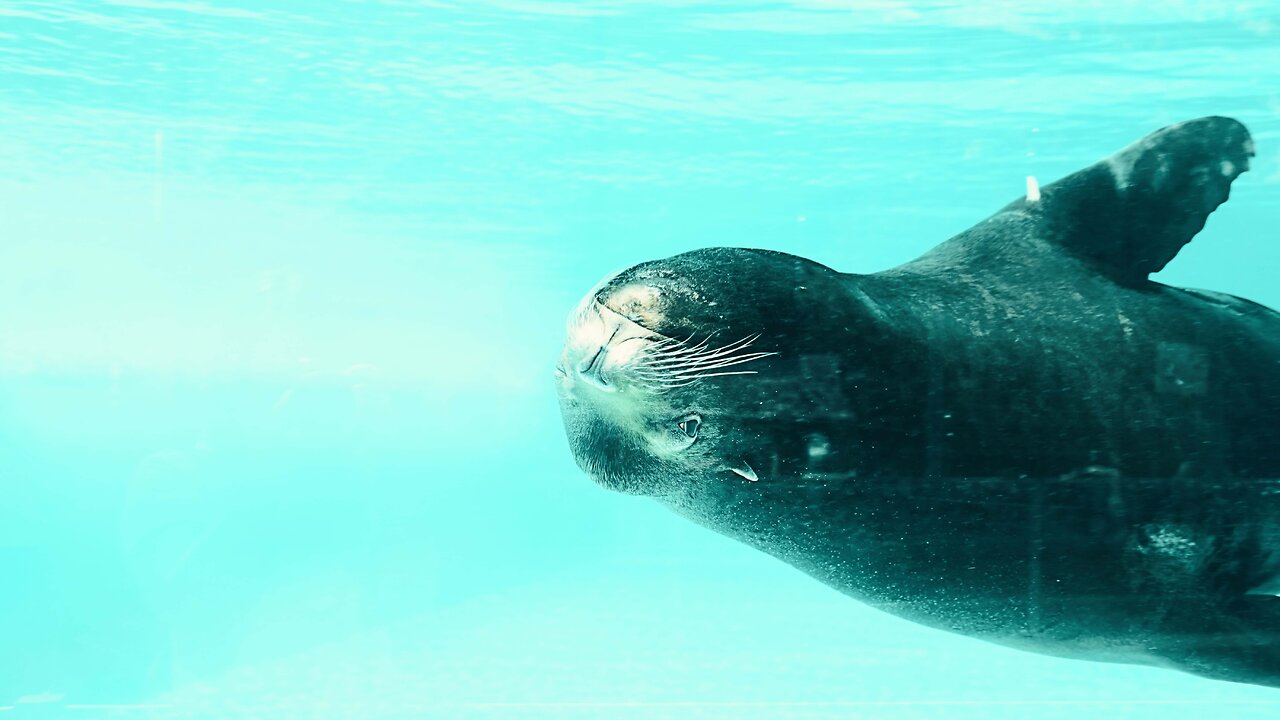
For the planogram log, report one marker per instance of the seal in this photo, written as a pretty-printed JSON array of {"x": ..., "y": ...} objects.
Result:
[{"x": 1018, "y": 436}]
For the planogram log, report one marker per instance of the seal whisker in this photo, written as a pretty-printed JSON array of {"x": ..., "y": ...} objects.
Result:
[
  {"x": 671, "y": 363},
  {"x": 735, "y": 345},
  {"x": 684, "y": 360},
  {"x": 727, "y": 349},
  {"x": 699, "y": 373},
  {"x": 730, "y": 360},
  {"x": 693, "y": 379},
  {"x": 711, "y": 354},
  {"x": 669, "y": 341},
  {"x": 682, "y": 348},
  {"x": 713, "y": 364},
  {"x": 676, "y": 342}
]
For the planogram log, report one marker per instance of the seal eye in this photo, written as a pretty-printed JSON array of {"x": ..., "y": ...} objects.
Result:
[{"x": 689, "y": 426}]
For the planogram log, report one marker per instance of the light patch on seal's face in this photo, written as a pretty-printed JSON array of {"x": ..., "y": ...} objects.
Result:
[
  {"x": 638, "y": 303},
  {"x": 607, "y": 342},
  {"x": 602, "y": 348}
]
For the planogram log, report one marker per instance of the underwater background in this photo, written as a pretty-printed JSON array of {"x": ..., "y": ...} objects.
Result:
[{"x": 282, "y": 285}]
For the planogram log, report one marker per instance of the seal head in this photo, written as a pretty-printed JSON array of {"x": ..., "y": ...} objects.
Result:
[
  {"x": 684, "y": 372},
  {"x": 645, "y": 378}
]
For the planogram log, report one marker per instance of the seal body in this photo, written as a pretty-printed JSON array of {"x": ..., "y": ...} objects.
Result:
[{"x": 1017, "y": 436}]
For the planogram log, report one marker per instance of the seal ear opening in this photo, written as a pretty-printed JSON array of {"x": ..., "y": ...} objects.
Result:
[{"x": 743, "y": 469}]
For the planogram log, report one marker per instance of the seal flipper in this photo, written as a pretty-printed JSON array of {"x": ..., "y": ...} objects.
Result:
[{"x": 1131, "y": 213}]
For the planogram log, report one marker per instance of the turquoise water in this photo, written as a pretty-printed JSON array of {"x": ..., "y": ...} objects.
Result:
[{"x": 282, "y": 284}]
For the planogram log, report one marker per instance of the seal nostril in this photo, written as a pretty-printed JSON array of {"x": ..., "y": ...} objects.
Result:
[
  {"x": 593, "y": 371},
  {"x": 594, "y": 365}
]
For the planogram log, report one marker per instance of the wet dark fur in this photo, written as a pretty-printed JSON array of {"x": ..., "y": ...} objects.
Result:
[{"x": 1017, "y": 436}]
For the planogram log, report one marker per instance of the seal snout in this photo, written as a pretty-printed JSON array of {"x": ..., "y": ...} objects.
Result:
[{"x": 601, "y": 347}]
